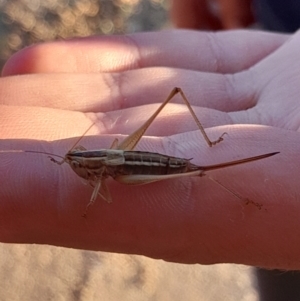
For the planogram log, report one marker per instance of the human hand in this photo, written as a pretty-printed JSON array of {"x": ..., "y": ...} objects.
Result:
[
  {"x": 200, "y": 14},
  {"x": 239, "y": 77}
]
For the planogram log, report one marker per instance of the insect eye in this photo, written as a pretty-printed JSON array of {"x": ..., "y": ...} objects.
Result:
[{"x": 75, "y": 164}]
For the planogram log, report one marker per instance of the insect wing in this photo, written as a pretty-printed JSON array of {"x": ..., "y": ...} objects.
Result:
[{"x": 145, "y": 179}]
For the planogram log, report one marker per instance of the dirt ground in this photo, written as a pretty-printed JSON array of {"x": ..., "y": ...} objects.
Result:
[{"x": 35, "y": 272}]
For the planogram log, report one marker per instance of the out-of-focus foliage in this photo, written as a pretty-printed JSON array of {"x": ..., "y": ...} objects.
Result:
[{"x": 23, "y": 22}]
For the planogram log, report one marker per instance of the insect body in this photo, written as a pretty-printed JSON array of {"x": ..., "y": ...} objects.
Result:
[
  {"x": 127, "y": 166},
  {"x": 135, "y": 167}
]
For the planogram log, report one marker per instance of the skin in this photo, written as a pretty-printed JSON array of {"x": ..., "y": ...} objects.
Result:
[{"x": 241, "y": 82}]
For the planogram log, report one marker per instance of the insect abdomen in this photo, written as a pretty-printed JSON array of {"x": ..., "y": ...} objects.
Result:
[{"x": 145, "y": 163}]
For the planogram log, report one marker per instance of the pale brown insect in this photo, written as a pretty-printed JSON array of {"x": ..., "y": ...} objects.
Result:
[{"x": 127, "y": 166}]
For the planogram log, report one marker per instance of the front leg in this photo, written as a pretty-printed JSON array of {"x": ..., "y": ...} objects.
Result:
[{"x": 96, "y": 190}]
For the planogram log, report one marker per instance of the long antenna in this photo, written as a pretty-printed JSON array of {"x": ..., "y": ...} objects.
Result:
[
  {"x": 77, "y": 141},
  {"x": 45, "y": 153}
]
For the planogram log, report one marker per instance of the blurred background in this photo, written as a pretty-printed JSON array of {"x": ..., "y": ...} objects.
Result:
[{"x": 24, "y": 22}]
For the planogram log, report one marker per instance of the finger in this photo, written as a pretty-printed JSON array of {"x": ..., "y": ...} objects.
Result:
[
  {"x": 194, "y": 14},
  {"x": 50, "y": 199},
  {"x": 106, "y": 92},
  {"x": 236, "y": 13},
  {"x": 224, "y": 52},
  {"x": 40, "y": 123},
  {"x": 18, "y": 122},
  {"x": 74, "y": 92}
]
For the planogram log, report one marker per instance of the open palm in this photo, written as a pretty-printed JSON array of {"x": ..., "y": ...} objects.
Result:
[{"x": 241, "y": 82}]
